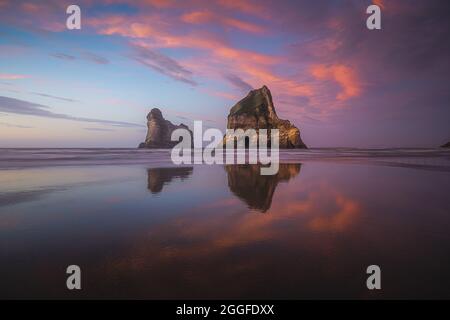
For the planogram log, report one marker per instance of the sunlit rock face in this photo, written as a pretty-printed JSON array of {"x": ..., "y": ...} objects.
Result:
[
  {"x": 157, "y": 178},
  {"x": 256, "y": 111},
  {"x": 160, "y": 131},
  {"x": 256, "y": 190}
]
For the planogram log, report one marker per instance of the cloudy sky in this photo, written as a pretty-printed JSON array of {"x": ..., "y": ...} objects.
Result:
[{"x": 340, "y": 83}]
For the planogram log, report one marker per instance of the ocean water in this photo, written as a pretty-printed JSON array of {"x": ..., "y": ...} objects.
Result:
[{"x": 140, "y": 227}]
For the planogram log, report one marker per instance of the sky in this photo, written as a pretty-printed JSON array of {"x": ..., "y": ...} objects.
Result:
[{"x": 340, "y": 83}]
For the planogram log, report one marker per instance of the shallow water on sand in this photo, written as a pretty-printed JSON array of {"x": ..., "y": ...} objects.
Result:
[{"x": 140, "y": 227}]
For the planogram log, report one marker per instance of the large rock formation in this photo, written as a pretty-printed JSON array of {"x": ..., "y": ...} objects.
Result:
[
  {"x": 247, "y": 183},
  {"x": 447, "y": 145},
  {"x": 159, "y": 131},
  {"x": 256, "y": 111}
]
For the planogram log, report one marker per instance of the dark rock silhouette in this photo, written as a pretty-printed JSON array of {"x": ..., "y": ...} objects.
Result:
[
  {"x": 158, "y": 177},
  {"x": 160, "y": 131},
  {"x": 256, "y": 111},
  {"x": 447, "y": 145},
  {"x": 256, "y": 190}
]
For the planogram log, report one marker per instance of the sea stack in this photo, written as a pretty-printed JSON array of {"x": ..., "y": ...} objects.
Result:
[
  {"x": 256, "y": 111},
  {"x": 160, "y": 131}
]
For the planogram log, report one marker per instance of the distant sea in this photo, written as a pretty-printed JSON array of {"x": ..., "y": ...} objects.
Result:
[{"x": 141, "y": 227}]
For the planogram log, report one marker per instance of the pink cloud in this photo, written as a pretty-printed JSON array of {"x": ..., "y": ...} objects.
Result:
[
  {"x": 254, "y": 67},
  {"x": 10, "y": 76},
  {"x": 343, "y": 75},
  {"x": 30, "y": 7},
  {"x": 179, "y": 25},
  {"x": 244, "y": 6},
  {"x": 379, "y": 3},
  {"x": 206, "y": 16}
]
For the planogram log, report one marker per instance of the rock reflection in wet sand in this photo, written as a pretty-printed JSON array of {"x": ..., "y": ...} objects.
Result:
[
  {"x": 256, "y": 190},
  {"x": 158, "y": 177}
]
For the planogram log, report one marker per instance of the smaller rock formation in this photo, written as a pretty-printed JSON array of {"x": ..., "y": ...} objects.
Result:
[
  {"x": 256, "y": 111},
  {"x": 160, "y": 131},
  {"x": 447, "y": 145}
]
